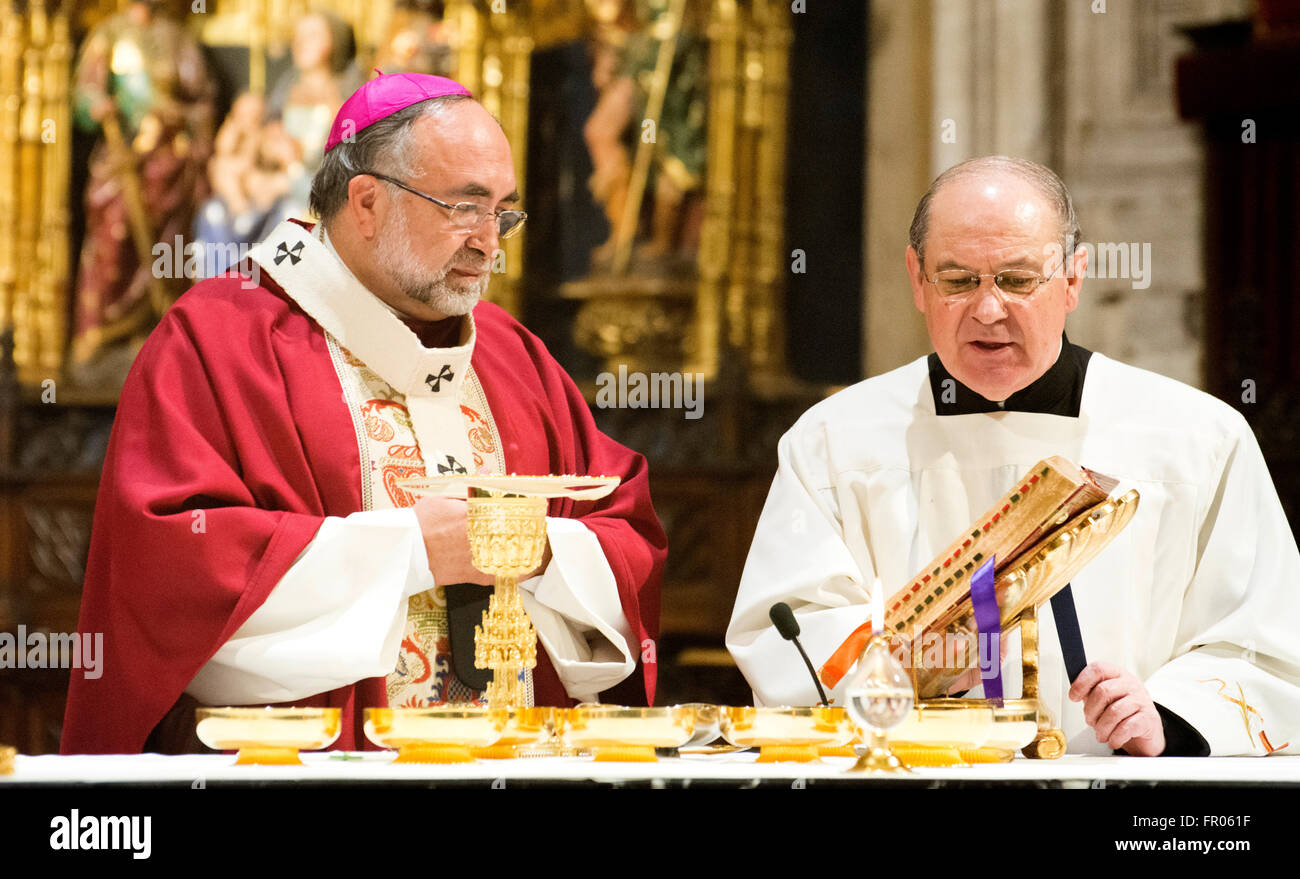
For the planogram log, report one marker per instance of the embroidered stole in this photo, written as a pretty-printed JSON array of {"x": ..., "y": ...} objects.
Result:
[{"x": 412, "y": 408}]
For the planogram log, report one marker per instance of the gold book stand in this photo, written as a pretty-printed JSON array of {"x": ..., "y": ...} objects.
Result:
[{"x": 1022, "y": 588}]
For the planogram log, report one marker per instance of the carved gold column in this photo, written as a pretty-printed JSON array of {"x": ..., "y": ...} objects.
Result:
[
  {"x": 492, "y": 54},
  {"x": 11, "y": 46},
  {"x": 51, "y": 288},
  {"x": 742, "y": 262},
  {"x": 770, "y": 265},
  {"x": 26, "y": 333},
  {"x": 257, "y": 36},
  {"x": 746, "y": 125},
  {"x": 716, "y": 233},
  {"x": 468, "y": 48},
  {"x": 505, "y": 60}
]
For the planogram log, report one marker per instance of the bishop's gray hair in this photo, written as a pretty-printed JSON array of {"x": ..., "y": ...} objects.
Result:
[
  {"x": 386, "y": 146},
  {"x": 1048, "y": 183}
]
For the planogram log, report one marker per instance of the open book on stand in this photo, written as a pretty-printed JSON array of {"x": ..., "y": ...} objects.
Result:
[{"x": 1040, "y": 534}]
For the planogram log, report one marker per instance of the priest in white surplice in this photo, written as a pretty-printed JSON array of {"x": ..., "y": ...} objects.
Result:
[{"x": 1188, "y": 619}]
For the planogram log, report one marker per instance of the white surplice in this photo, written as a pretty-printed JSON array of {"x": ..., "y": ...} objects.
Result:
[
  {"x": 1199, "y": 596},
  {"x": 340, "y": 613}
]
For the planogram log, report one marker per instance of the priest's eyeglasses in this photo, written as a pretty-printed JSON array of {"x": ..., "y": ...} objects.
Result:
[
  {"x": 466, "y": 215},
  {"x": 1019, "y": 283}
]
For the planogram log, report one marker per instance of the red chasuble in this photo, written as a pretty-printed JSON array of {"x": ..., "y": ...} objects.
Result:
[{"x": 233, "y": 441}]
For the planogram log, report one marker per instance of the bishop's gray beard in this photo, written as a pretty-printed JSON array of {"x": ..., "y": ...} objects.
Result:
[{"x": 414, "y": 279}]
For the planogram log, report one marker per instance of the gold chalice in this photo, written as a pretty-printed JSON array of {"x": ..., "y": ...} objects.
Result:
[{"x": 507, "y": 539}]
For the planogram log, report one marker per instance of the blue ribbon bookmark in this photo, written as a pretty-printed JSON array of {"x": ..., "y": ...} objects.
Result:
[
  {"x": 1067, "y": 632},
  {"x": 988, "y": 625}
]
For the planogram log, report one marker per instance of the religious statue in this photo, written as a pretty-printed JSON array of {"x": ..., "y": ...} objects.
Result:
[
  {"x": 268, "y": 152},
  {"x": 419, "y": 40},
  {"x": 142, "y": 84},
  {"x": 324, "y": 73},
  {"x": 652, "y": 79}
]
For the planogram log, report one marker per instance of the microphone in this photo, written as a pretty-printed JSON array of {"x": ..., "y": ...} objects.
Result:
[{"x": 788, "y": 626}]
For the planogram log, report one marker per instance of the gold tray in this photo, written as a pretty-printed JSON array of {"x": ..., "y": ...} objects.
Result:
[
  {"x": 440, "y": 734},
  {"x": 268, "y": 736},
  {"x": 618, "y": 733}
]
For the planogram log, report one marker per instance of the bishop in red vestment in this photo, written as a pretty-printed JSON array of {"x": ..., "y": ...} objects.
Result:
[{"x": 252, "y": 543}]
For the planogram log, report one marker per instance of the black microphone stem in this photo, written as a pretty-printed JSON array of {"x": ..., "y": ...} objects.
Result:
[{"x": 816, "y": 680}]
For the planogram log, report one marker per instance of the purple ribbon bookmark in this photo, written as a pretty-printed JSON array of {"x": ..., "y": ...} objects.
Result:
[{"x": 988, "y": 629}]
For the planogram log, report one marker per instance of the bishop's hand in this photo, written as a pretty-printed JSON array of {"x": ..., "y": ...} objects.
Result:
[
  {"x": 1119, "y": 709},
  {"x": 443, "y": 522}
]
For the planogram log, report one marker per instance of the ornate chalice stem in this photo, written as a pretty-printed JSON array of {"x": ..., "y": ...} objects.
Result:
[{"x": 507, "y": 538}]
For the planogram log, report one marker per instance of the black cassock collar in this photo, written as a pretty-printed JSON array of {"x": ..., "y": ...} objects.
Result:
[{"x": 1056, "y": 392}]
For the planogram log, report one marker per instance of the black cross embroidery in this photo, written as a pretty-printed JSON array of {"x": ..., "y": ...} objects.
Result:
[
  {"x": 435, "y": 381},
  {"x": 453, "y": 466},
  {"x": 294, "y": 253}
]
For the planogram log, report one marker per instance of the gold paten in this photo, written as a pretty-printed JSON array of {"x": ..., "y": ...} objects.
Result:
[{"x": 268, "y": 736}]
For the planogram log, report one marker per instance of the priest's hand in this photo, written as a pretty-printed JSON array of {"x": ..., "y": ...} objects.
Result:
[
  {"x": 1119, "y": 709},
  {"x": 446, "y": 539}
]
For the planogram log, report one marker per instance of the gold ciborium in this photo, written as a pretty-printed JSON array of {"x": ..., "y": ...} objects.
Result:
[{"x": 507, "y": 539}]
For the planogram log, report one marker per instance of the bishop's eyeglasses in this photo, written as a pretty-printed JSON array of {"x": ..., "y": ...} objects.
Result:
[
  {"x": 466, "y": 215},
  {"x": 1018, "y": 283}
]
